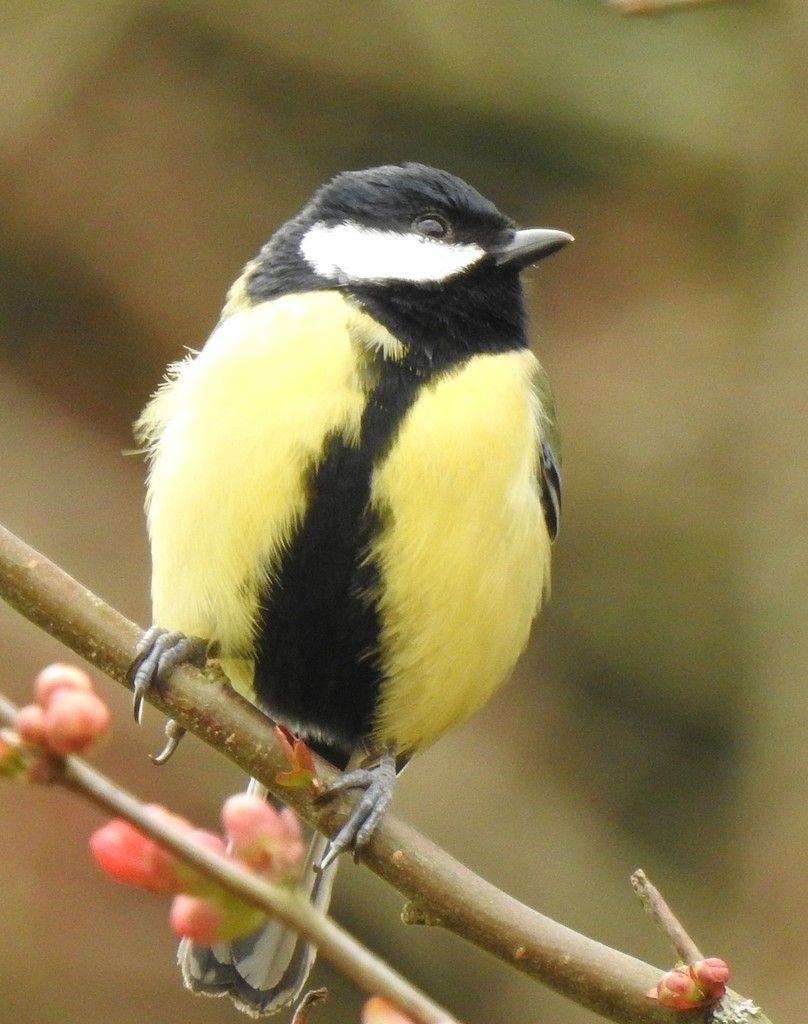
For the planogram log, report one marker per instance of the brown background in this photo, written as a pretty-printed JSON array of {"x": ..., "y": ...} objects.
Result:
[{"x": 659, "y": 717}]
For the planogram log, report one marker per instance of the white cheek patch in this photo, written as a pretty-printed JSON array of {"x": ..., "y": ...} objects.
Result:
[{"x": 349, "y": 252}]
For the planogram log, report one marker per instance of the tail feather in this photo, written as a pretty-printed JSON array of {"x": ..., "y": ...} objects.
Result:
[{"x": 266, "y": 970}]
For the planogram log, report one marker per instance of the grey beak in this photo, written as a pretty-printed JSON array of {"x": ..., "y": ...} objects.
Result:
[{"x": 530, "y": 246}]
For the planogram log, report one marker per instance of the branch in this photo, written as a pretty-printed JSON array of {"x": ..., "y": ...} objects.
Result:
[
  {"x": 602, "y": 979},
  {"x": 337, "y": 945},
  {"x": 657, "y": 908},
  {"x": 658, "y": 6}
]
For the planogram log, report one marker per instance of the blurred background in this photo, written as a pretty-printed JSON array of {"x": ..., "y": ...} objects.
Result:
[{"x": 659, "y": 717}]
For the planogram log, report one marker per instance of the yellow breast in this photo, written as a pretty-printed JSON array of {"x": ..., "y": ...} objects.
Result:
[
  {"x": 234, "y": 432},
  {"x": 465, "y": 553}
]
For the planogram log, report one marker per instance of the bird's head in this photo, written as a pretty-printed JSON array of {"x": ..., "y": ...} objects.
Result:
[{"x": 417, "y": 247}]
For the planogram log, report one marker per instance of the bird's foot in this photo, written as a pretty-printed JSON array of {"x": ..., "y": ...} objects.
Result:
[
  {"x": 158, "y": 654},
  {"x": 377, "y": 782}
]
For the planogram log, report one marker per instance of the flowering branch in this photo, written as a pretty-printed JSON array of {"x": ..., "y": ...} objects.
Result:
[
  {"x": 442, "y": 890},
  {"x": 334, "y": 943}
]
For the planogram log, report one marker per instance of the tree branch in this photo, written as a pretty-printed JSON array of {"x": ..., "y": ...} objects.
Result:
[
  {"x": 657, "y": 908},
  {"x": 602, "y": 979},
  {"x": 338, "y": 946},
  {"x": 658, "y": 6}
]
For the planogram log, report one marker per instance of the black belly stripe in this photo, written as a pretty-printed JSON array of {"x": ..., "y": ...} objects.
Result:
[{"x": 317, "y": 651}]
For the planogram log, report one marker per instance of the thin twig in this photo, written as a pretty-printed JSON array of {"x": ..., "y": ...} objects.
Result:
[
  {"x": 659, "y": 6},
  {"x": 602, "y": 979},
  {"x": 338, "y": 946},
  {"x": 655, "y": 905}
]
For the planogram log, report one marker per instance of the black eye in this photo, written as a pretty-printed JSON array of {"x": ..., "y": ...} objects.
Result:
[{"x": 431, "y": 225}]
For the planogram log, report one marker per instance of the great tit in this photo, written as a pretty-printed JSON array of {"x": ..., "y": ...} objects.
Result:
[{"x": 353, "y": 489}]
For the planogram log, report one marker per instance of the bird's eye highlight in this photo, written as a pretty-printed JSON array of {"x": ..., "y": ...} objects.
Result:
[{"x": 431, "y": 225}]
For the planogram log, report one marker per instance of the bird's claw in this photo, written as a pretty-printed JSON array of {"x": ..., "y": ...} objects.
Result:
[
  {"x": 157, "y": 654},
  {"x": 174, "y": 733},
  {"x": 377, "y": 783}
]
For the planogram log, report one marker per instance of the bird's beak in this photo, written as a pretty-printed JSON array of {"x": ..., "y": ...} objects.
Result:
[{"x": 530, "y": 246}]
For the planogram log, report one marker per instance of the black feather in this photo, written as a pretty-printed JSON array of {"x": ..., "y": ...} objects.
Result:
[{"x": 550, "y": 489}]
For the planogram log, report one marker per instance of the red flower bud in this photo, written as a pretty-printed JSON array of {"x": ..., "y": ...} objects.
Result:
[
  {"x": 193, "y": 917},
  {"x": 263, "y": 838},
  {"x": 693, "y": 986},
  {"x": 73, "y": 720},
  {"x": 134, "y": 859},
  {"x": 710, "y": 973},
  {"x": 57, "y": 677},
  {"x": 677, "y": 990},
  {"x": 213, "y": 919}
]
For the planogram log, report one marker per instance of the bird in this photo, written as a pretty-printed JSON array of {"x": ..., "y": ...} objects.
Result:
[{"x": 352, "y": 493}]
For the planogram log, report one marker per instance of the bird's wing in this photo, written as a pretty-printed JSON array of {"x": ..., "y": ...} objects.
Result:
[{"x": 550, "y": 455}]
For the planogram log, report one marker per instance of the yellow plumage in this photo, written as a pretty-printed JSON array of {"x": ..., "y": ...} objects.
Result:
[
  {"x": 464, "y": 553},
  {"x": 233, "y": 431}
]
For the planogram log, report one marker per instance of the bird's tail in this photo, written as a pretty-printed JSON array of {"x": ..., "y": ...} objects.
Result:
[{"x": 266, "y": 970}]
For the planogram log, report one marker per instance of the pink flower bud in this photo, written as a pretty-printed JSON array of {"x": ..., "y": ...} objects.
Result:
[
  {"x": 245, "y": 814},
  {"x": 263, "y": 838},
  {"x": 711, "y": 973},
  {"x": 57, "y": 677},
  {"x": 134, "y": 859},
  {"x": 30, "y": 724},
  {"x": 378, "y": 1011},
  {"x": 700, "y": 984},
  {"x": 74, "y": 720},
  {"x": 213, "y": 919},
  {"x": 193, "y": 917},
  {"x": 677, "y": 990}
]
